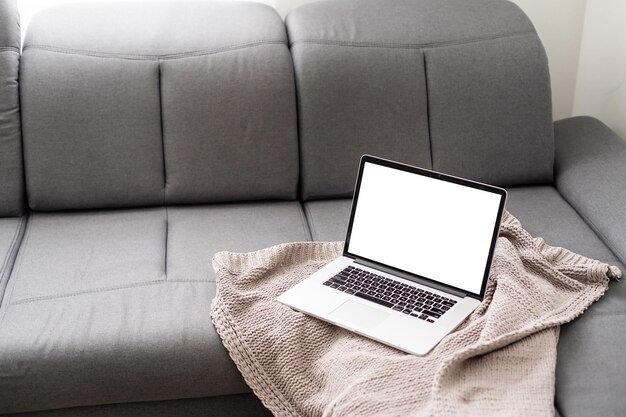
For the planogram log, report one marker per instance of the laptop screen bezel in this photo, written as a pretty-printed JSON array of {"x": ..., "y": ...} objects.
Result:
[{"x": 439, "y": 176}]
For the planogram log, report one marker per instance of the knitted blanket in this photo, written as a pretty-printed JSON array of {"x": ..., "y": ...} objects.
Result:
[{"x": 500, "y": 361}]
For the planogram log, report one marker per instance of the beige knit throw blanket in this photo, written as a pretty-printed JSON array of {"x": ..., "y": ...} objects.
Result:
[{"x": 500, "y": 361}]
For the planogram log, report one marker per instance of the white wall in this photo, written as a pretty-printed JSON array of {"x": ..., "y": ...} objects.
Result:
[{"x": 601, "y": 83}]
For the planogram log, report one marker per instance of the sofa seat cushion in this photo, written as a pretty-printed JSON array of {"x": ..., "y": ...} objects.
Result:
[
  {"x": 328, "y": 219},
  {"x": 590, "y": 363},
  {"x": 113, "y": 306}
]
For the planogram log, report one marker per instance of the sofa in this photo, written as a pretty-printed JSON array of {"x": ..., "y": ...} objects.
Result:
[{"x": 137, "y": 140}]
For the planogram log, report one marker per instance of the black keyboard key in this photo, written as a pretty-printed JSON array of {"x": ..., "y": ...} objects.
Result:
[
  {"x": 432, "y": 314},
  {"x": 397, "y": 308},
  {"x": 373, "y": 299}
]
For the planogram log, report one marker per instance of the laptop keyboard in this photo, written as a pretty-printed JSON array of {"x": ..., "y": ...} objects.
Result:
[{"x": 396, "y": 295}]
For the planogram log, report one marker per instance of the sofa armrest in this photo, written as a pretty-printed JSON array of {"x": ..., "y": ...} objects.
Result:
[{"x": 590, "y": 173}]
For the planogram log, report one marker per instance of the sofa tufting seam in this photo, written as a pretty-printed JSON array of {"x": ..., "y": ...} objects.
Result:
[
  {"x": 159, "y": 84},
  {"x": 87, "y": 292},
  {"x": 154, "y": 57},
  {"x": 305, "y": 221},
  {"x": 310, "y": 221},
  {"x": 399, "y": 45},
  {"x": 428, "y": 127}
]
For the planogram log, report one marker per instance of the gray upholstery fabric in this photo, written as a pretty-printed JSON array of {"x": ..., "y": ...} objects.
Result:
[
  {"x": 196, "y": 233},
  {"x": 113, "y": 306},
  {"x": 11, "y": 233},
  {"x": 328, "y": 219},
  {"x": 229, "y": 126},
  {"x": 151, "y": 341},
  {"x": 9, "y": 25},
  {"x": 92, "y": 131},
  {"x": 404, "y": 22},
  {"x": 73, "y": 253},
  {"x": 591, "y": 174},
  {"x": 240, "y": 405},
  {"x": 11, "y": 171},
  {"x": 125, "y": 105},
  {"x": 458, "y": 86},
  {"x": 155, "y": 30},
  {"x": 490, "y": 111},
  {"x": 353, "y": 101}
]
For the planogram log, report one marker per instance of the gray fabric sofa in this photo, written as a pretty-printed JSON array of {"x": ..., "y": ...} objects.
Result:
[{"x": 137, "y": 140}]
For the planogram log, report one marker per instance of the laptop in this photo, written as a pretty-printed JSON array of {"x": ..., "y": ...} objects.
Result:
[{"x": 416, "y": 257}]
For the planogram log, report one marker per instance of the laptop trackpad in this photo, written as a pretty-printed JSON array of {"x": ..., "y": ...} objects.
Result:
[{"x": 359, "y": 315}]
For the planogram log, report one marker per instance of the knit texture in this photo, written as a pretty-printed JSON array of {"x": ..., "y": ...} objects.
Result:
[{"x": 500, "y": 361}]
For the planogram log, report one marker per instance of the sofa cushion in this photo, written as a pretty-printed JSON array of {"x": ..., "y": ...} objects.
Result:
[
  {"x": 491, "y": 122},
  {"x": 590, "y": 364},
  {"x": 422, "y": 83},
  {"x": 11, "y": 171},
  {"x": 125, "y": 105},
  {"x": 113, "y": 306},
  {"x": 196, "y": 233}
]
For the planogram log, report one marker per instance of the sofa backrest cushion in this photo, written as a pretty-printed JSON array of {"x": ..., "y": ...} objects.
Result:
[
  {"x": 129, "y": 105},
  {"x": 458, "y": 86},
  {"x": 11, "y": 170}
]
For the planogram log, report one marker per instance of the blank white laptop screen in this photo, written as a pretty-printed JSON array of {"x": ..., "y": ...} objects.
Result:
[{"x": 433, "y": 228}]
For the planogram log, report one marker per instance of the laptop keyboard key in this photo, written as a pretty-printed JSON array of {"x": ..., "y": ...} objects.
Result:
[
  {"x": 373, "y": 299},
  {"x": 432, "y": 314}
]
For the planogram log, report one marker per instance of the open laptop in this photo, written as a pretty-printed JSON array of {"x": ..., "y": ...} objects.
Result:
[{"x": 416, "y": 257}]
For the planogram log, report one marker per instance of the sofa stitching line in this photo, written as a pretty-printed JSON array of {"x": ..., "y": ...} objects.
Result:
[
  {"x": 16, "y": 275},
  {"x": 86, "y": 52},
  {"x": 86, "y": 292},
  {"x": 409, "y": 45},
  {"x": 105, "y": 289}
]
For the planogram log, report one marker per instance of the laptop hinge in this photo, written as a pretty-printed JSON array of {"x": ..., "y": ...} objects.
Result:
[{"x": 412, "y": 278}]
